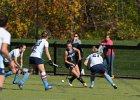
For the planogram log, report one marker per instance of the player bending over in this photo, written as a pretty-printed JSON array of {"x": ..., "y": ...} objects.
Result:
[
  {"x": 15, "y": 54},
  {"x": 70, "y": 61},
  {"x": 97, "y": 66},
  {"x": 35, "y": 60}
]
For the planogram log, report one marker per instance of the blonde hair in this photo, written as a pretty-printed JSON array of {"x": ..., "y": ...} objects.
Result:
[{"x": 94, "y": 49}]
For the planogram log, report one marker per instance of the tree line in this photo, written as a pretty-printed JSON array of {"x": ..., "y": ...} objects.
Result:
[{"x": 90, "y": 18}]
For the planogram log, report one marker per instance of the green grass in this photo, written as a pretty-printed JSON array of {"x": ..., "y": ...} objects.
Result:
[{"x": 34, "y": 90}]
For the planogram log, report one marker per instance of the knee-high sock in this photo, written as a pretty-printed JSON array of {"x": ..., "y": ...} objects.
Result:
[
  {"x": 25, "y": 77},
  {"x": 92, "y": 78},
  {"x": 45, "y": 83},
  {"x": 72, "y": 78},
  {"x": 81, "y": 80},
  {"x": 108, "y": 78},
  {"x": 8, "y": 73},
  {"x": 16, "y": 78},
  {"x": 44, "y": 80}
]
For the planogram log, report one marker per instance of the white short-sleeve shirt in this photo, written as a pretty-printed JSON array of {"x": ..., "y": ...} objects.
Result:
[
  {"x": 4, "y": 38},
  {"x": 39, "y": 48},
  {"x": 94, "y": 59},
  {"x": 14, "y": 53}
]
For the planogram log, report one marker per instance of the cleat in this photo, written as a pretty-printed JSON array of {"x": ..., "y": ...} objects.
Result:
[
  {"x": 49, "y": 87},
  {"x": 91, "y": 86},
  {"x": 85, "y": 84},
  {"x": 69, "y": 82},
  {"x": 114, "y": 86},
  {"x": 14, "y": 83},
  {"x": 20, "y": 86}
]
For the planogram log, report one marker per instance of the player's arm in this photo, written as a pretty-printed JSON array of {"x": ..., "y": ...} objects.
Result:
[
  {"x": 65, "y": 58},
  {"x": 47, "y": 53},
  {"x": 79, "y": 54},
  {"x": 86, "y": 62},
  {"x": 16, "y": 61},
  {"x": 21, "y": 59},
  {"x": 107, "y": 43},
  {"x": 5, "y": 51}
]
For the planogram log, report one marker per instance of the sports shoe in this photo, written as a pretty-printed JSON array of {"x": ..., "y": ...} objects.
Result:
[
  {"x": 20, "y": 86},
  {"x": 69, "y": 82},
  {"x": 85, "y": 84},
  {"x": 91, "y": 86},
  {"x": 14, "y": 83},
  {"x": 49, "y": 87},
  {"x": 114, "y": 86}
]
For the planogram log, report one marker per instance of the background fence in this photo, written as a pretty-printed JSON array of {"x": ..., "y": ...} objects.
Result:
[{"x": 126, "y": 64}]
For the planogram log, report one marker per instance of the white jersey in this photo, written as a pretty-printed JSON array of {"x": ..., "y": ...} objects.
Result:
[
  {"x": 13, "y": 53},
  {"x": 94, "y": 59},
  {"x": 39, "y": 48},
  {"x": 4, "y": 38}
]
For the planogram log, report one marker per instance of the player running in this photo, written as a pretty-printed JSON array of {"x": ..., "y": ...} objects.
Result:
[
  {"x": 70, "y": 62},
  {"x": 97, "y": 66},
  {"x": 15, "y": 54},
  {"x": 4, "y": 41},
  {"x": 35, "y": 60}
]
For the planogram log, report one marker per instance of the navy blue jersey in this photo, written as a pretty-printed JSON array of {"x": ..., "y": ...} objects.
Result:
[{"x": 71, "y": 55}]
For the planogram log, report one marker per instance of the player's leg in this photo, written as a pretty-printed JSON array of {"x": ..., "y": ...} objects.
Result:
[
  {"x": 25, "y": 77},
  {"x": 80, "y": 66},
  {"x": 15, "y": 81},
  {"x": 2, "y": 78},
  {"x": 70, "y": 80},
  {"x": 76, "y": 70},
  {"x": 92, "y": 78},
  {"x": 44, "y": 76},
  {"x": 108, "y": 78},
  {"x": 9, "y": 73},
  {"x": 1, "y": 81}
]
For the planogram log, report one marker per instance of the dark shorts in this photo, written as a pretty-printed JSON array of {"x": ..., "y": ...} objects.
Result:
[
  {"x": 100, "y": 69},
  {"x": 35, "y": 60},
  {"x": 2, "y": 71},
  {"x": 68, "y": 65},
  {"x": 6, "y": 64}
]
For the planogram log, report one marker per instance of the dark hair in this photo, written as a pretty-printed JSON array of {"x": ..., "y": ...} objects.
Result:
[
  {"x": 20, "y": 45},
  {"x": 108, "y": 35},
  {"x": 44, "y": 34},
  {"x": 3, "y": 20},
  {"x": 76, "y": 34},
  {"x": 68, "y": 43}
]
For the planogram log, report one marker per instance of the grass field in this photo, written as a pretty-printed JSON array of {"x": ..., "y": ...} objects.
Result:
[{"x": 34, "y": 90}]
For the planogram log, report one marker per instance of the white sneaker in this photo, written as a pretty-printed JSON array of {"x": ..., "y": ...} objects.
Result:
[
  {"x": 69, "y": 82},
  {"x": 85, "y": 84},
  {"x": 114, "y": 86},
  {"x": 91, "y": 86}
]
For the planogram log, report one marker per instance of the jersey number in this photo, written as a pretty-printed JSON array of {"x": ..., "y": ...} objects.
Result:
[
  {"x": 95, "y": 55},
  {"x": 37, "y": 44}
]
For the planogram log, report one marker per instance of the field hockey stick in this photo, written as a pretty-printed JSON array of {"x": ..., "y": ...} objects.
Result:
[{"x": 55, "y": 65}]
